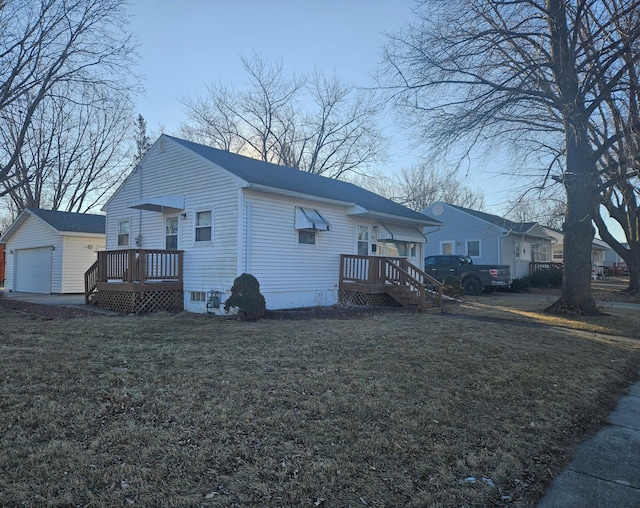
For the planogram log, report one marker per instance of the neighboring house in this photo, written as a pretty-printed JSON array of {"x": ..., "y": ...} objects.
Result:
[
  {"x": 487, "y": 238},
  {"x": 225, "y": 214},
  {"x": 49, "y": 251},
  {"x": 614, "y": 262},
  {"x": 598, "y": 250}
]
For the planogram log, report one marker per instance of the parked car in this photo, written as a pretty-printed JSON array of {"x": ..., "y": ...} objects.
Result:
[{"x": 474, "y": 278}]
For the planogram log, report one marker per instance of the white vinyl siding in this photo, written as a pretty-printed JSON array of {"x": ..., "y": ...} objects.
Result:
[
  {"x": 77, "y": 259},
  {"x": 290, "y": 274},
  {"x": 207, "y": 265}
]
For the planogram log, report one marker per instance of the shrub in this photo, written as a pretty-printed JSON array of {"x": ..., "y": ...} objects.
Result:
[
  {"x": 246, "y": 296},
  {"x": 551, "y": 278},
  {"x": 520, "y": 284}
]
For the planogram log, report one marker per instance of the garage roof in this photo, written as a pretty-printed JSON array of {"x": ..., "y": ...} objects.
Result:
[{"x": 64, "y": 222}]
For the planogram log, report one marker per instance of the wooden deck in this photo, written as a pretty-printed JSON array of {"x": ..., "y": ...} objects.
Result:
[
  {"x": 403, "y": 282},
  {"x": 136, "y": 280}
]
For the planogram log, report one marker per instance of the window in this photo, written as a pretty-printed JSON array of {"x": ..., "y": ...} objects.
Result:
[
  {"x": 540, "y": 253},
  {"x": 306, "y": 237},
  {"x": 557, "y": 254},
  {"x": 473, "y": 248},
  {"x": 446, "y": 248},
  {"x": 171, "y": 232},
  {"x": 198, "y": 296},
  {"x": 518, "y": 249},
  {"x": 363, "y": 240},
  {"x": 123, "y": 233},
  {"x": 203, "y": 226},
  {"x": 413, "y": 249},
  {"x": 391, "y": 248}
]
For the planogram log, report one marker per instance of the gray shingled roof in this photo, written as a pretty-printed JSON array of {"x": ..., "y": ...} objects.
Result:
[
  {"x": 71, "y": 221},
  {"x": 516, "y": 227},
  {"x": 280, "y": 177}
]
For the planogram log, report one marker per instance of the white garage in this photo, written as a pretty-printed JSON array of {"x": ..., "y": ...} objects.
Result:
[{"x": 49, "y": 251}]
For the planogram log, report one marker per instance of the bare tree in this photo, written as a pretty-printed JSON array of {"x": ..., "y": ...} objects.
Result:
[
  {"x": 52, "y": 52},
  {"x": 72, "y": 155},
  {"x": 529, "y": 73},
  {"x": 544, "y": 208},
  {"x": 141, "y": 139},
  {"x": 313, "y": 123},
  {"x": 421, "y": 185},
  {"x": 617, "y": 137}
]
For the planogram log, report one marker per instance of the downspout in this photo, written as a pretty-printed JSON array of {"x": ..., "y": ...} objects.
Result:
[
  {"x": 242, "y": 257},
  {"x": 139, "y": 242}
]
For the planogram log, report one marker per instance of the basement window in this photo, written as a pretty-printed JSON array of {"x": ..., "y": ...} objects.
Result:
[{"x": 198, "y": 296}]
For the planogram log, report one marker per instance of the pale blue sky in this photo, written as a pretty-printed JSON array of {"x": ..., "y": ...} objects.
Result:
[{"x": 187, "y": 44}]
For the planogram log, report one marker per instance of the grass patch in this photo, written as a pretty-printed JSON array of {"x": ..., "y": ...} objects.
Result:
[
  {"x": 519, "y": 307},
  {"x": 388, "y": 410}
]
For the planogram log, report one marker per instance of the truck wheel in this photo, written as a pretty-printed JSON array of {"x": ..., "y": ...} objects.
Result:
[{"x": 472, "y": 286}]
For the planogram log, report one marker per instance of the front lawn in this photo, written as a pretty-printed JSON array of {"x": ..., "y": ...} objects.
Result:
[{"x": 386, "y": 410}]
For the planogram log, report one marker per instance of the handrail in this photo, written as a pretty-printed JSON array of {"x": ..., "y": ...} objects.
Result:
[
  {"x": 388, "y": 271},
  {"x": 140, "y": 265},
  {"x": 90, "y": 281}
]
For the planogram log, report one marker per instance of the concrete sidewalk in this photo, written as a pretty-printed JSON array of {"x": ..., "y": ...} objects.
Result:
[{"x": 606, "y": 469}]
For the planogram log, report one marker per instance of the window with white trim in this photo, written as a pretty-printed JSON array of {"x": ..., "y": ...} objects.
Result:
[
  {"x": 203, "y": 226},
  {"x": 473, "y": 248},
  {"x": 124, "y": 229},
  {"x": 306, "y": 237},
  {"x": 446, "y": 248},
  {"x": 171, "y": 233},
  {"x": 198, "y": 296}
]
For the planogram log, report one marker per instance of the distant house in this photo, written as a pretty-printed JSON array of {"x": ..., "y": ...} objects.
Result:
[
  {"x": 487, "y": 238},
  {"x": 598, "y": 250},
  {"x": 198, "y": 217},
  {"x": 49, "y": 251},
  {"x": 613, "y": 262}
]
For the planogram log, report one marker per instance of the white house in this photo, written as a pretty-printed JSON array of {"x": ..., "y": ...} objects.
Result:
[
  {"x": 231, "y": 214},
  {"x": 49, "y": 251},
  {"x": 487, "y": 238}
]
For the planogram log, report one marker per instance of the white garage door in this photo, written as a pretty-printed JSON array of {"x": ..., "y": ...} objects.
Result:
[{"x": 33, "y": 270}]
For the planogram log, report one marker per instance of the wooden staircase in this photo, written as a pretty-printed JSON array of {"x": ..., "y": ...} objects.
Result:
[{"x": 396, "y": 277}]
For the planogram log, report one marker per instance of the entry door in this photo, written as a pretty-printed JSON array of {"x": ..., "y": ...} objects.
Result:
[
  {"x": 171, "y": 233},
  {"x": 362, "y": 239}
]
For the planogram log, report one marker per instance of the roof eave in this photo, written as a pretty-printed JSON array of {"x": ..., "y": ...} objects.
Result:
[
  {"x": 294, "y": 194},
  {"x": 394, "y": 218}
]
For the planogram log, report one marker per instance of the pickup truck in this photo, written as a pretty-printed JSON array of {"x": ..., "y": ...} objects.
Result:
[{"x": 474, "y": 278}]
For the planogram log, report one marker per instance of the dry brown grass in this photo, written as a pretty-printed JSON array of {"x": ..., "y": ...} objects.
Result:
[{"x": 388, "y": 410}]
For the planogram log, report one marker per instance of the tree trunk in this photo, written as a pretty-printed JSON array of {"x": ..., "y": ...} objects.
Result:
[
  {"x": 576, "y": 296},
  {"x": 579, "y": 177}
]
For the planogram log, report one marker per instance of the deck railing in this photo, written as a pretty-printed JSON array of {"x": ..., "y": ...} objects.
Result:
[
  {"x": 385, "y": 273},
  {"x": 537, "y": 266},
  {"x": 134, "y": 266},
  {"x": 139, "y": 265}
]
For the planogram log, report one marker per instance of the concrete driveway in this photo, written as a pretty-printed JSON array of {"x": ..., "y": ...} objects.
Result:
[{"x": 71, "y": 300}]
